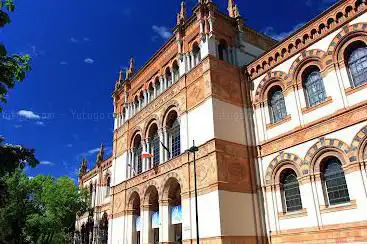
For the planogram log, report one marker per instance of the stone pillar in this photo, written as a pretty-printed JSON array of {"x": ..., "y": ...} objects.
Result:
[
  {"x": 147, "y": 230},
  {"x": 192, "y": 60},
  {"x": 161, "y": 149},
  {"x": 148, "y": 160},
  {"x": 161, "y": 80},
  {"x": 165, "y": 232},
  {"x": 154, "y": 92},
  {"x": 166, "y": 143},
  {"x": 145, "y": 98}
]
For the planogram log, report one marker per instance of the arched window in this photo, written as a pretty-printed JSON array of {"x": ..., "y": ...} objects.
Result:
[
  {"x": 108, "y": 185},
  {"x": 357, "y": 64},
  {"x": 157, "y": 86},
  {"x": 290, "y": 189},
  {"x": 277, "y": 107},
  {"x": 169, "y": 77},
  {"x": 196, "y": 53},
  {"x": 314, "y": 86},
  {"x": 136, "y": 104},
  {"x": 176, "y": 72},
  {"x": 334, "y": 181},
  {"x": 137, "y": 151},
  {"x": 142, "y": 102},
  {"x": 173, "y": 131},
  {"x": 223, "y": 50},
  {"x": 151, "y": 92},
  {"x": 154, "y": 145}
]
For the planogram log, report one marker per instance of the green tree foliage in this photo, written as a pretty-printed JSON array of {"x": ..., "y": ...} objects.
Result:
[
  {"x": 13, "y": 68},
  {"x": 40, "y": 210}
]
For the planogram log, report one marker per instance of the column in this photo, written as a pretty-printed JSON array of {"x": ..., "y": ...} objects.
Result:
[
  {"x": 145, "y": 98},
  {"x": 148, "y": 160},
  {"x": 192, "y": 59},
  {"x": 166, "y": 143},
  {"x": 146, "y": 224},
  {"x": 144, "y": 160},
  {"x": 161, "y": 149},
  {"x": 161, "y": 80},
  {"x": 172, "y": 77},
  {"x": 154, "y": 92},
  {"x": 165, "y": 233}
]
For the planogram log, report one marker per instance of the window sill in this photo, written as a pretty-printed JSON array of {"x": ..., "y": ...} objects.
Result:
[
  {"x": 283, "y": 121},
  {"x": 293, "y": 214},
  {"x": 351, "y": 90},
  {"x": 327, "y": 101},
  {"x": 340, "y": 207}
]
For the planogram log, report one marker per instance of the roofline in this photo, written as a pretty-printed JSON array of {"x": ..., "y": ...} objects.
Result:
[{"x": 305, "y": 26}]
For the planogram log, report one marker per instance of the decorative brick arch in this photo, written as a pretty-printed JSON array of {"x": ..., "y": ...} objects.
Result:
[
  {"x": 173, "y": 105},
  {"x": 326, "y": 147},
  {"x": 305, "y": 59},
  {"x": 152, "y": 119},
  {"x": 146, "y": 190},
  {"x": 131, "y": 194},
  {"x": 359, "y": 145},
  {"x": 166, "y": 184},
  {"x": 348, "y": 34},
  {"x": 271, "y": 79},
  {"x": 284, "y": 159},
  {"x": 136, "y": 131}
]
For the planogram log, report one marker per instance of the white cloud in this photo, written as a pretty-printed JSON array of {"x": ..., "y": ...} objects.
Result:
[
  {"x": 40, "y": 123},
  {"x": 89, "y": 61},
  {"x": 162, "y": 31},
  {"x": 28, "y": 114},
  {"x": 86, "y": 39},
  {"x": 47, "y": 163},
  {"x": 93, "y": 151},
  {"x": 270, "y": 31},
  {"x": 73, "y": 39},
  {"x": 18, "y": 126},
  {"x": 69, "y": 145},
  {"x": 64, "y": 63}
]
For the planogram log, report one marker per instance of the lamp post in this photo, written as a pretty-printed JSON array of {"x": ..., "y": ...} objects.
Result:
[{"x": 193, "y": 150}]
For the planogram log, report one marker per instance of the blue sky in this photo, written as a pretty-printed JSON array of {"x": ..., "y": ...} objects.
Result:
[{"x": 64, "y": 107}]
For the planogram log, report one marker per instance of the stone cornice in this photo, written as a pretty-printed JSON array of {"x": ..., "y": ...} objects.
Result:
[{"x": 332, "y": 19}]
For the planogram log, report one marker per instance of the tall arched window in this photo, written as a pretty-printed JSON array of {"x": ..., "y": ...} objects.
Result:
[
  {"x": 173, "y": 131},
  {"x": 176, "y": 72},
  {"x": 137, "y": 152},
  {"x": 277, "y": 107},
  {"x": 290, "y": 189},
  {"x": 157, "y": 86},
  {"x": 154, "y": 145},
  {"x": 196, "y": 53},
  {"x": 169, "y": 77},
  {"x": 357, "y": 64},
  {"x": 108, "y": 185},
  {"x": 334, "y": 182},
  {"x": 223, "y": 50},
  {"x": 314, "y": 86}
]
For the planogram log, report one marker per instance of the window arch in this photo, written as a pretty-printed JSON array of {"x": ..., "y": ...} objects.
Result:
[
  {"x": 223, "y": 50},
  {"x": 290, "y": 191},
  {"x": 357, "y": 63},
  {"x": 173, "y": 133},
  {"x": 314, "y": 86},
  {"x": 154, "y": 143},
  {"x": 157, "y": 84},
  {"x": 196, "y": 53},
  {"x": 176, "y": 72},
  {"x": 108, "y": 185},
  {"x": 277, "y": 107},
  {"x": 137, "y": 155},
  {"x": 334, "y": 183},
  {"x": 168, "y": 76}
]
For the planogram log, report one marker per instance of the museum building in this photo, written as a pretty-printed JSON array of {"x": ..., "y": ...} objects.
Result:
[{"x": 280, "y": 128}]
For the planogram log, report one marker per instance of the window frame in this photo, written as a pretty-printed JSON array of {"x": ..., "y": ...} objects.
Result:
[
  {"x": 309, "y": 84},
  {"x": 271, "y": 105},
  {"x": 349, "y": 64},
  {"x": 286, "y": 188}
]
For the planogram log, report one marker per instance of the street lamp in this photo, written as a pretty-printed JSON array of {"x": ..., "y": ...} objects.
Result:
[{"x": 193, "y": 150}]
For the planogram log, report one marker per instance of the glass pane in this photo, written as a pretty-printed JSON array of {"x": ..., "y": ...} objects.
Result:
[
  {"x": 277, "y": 106},
  {"x": 175, "y": 139},
  {"x": 291, "y": 192},
  {"x": 357, "y": 64},
  {"x": 138, "y": 160},
  {"x": 155, "y": 149},
  {"x": 335, "y": 182},
  {"x": 315, "y": 90}
]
